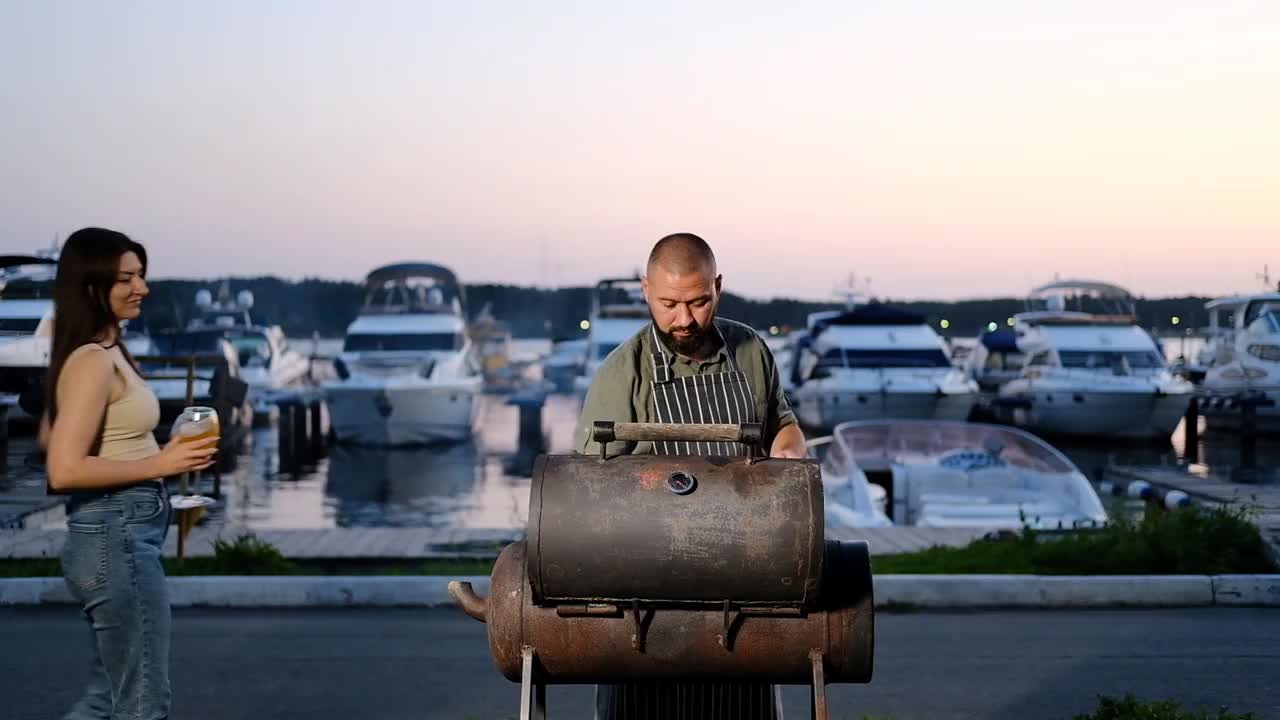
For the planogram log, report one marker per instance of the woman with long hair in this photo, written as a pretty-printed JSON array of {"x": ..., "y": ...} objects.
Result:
[{"x": 99, "y": 419}]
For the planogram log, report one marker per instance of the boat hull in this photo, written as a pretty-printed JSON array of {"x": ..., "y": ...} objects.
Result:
[
  {"x": 826, "y": 409},
  {"x": 1127, "y": 415},
  {"x": 403, "y": 415}
]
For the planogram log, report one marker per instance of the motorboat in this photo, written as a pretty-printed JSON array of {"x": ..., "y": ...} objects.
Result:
[
  {"x": 876, "y": 362},
  {"x": 1242, "y": 362},
  {"x": 267, "y": 363},
  {"x": 952, "y": 474},
  {"x": 408, "y": 373},
  {"x": 1090, "y": 370}
]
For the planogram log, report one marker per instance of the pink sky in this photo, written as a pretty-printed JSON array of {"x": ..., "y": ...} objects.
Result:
[{"x": 943, "y": 153}]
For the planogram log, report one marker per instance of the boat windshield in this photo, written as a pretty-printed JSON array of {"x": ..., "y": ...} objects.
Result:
[
  {"x": 1269, "y": 320},
  {"x": 883, "y": 358},
  {"x": 18, "y": 326},
  {"x": 1113, "y": 359},
  {"x": 876, "y": 444},
  {"x": 253, "y": 348},
  {"x": 387, "y": 342}
]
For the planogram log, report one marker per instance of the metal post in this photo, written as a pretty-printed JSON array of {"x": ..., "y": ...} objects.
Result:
[
  {"x": 531, "y": 426},
  {"x": 316, "y": 436},
  {"x": 1248, "y": 435},
  {"x": 4, "y": 436},
  {"x": 301, "y": 444},
  {"x": 1191, "y": 431},
  {"x": 285, "y": 432}
]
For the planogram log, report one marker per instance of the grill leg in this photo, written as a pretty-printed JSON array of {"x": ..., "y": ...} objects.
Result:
[
  {"x": 533, "y": 694},
  {"x": 818, "y": 711}
]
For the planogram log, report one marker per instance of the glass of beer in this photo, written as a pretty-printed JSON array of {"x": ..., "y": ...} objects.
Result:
[{"x": 196, "y": 423}]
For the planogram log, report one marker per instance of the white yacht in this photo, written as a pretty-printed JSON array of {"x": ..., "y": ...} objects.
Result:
[
  {"x": 408, "y": 373},
  {"x": 1242, "y": 359},
  {"x": 1090, "y": 369},
  {"x": 267, "y": 363},
  {"x": 876, "y": 362},
  {"x": 26, "y": 324},
  {"x": 951, "y": 474},
  {"x": 618, "y": 311}
]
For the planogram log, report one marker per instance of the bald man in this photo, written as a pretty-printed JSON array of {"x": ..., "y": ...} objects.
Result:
[
  {"x": 688, "y": 366},
  {"x": 661, "y": 374}
]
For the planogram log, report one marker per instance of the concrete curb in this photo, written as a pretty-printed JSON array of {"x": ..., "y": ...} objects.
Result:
[
  {"x": 924, "y": 592},
  {"x": 1038, "y": 591}
]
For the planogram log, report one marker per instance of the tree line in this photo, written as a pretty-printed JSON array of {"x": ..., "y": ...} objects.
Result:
[{"x": 325, "y": 307}]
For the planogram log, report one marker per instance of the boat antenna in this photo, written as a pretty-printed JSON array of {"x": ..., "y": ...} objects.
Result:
[
  {"x": 1265, "y": 277},
  {"x": 850, "y": 294}
]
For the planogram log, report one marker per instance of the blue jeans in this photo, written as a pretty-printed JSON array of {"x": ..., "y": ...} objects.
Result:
[{"x": 111, "y": 564}]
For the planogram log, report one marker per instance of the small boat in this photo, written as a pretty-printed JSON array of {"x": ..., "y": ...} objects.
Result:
[{"x": 952, "y": 474}]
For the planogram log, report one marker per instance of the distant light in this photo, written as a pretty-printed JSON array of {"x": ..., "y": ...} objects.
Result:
[
  {"x": 1176, "y": 320},
  {"x": 773, "y": 329},
  {"x": 1009, "y": 322},
  {"x": 991, "y": 327},
  {"x": 585, "y": 324},
  {"x": 945, "y": 324}
]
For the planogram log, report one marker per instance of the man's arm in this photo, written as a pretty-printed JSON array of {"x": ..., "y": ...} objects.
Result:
[
  {"x": 609, "y": 398},
  {"x": 788, "y": 441}
]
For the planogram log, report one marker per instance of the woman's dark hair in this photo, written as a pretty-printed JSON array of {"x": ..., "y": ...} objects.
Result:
[{"x": 87, "y": 270}]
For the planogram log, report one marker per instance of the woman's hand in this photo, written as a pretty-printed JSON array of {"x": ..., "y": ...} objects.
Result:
[{"x": 179, "y": 457}]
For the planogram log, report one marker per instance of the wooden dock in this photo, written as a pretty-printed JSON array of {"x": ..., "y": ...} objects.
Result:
[
  {"x": 423, "y": 543},
  {"x": 1263, "y": 499}
]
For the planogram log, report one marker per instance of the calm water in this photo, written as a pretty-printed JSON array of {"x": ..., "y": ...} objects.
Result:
[{"x": 469, "y": 485}]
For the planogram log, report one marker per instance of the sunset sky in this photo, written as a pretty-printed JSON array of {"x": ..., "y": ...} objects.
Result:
[{"x": 944, "y": 149}]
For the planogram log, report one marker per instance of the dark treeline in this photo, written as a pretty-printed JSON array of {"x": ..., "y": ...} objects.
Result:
[{"x": 326, "y": 307}]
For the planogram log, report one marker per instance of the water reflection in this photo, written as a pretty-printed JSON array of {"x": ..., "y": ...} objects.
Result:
[{"x": 425, "y": 487}]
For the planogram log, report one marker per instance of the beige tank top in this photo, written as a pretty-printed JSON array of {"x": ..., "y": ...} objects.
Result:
[{"x": 131, "y": 417}]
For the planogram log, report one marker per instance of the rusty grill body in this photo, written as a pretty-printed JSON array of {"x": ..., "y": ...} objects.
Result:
[
  {"x": 674, "y": 568},
  {"x": 627, "y": 527}
]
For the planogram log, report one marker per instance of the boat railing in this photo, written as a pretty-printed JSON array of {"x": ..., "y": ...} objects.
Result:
[{"x": 186, "y": 368}]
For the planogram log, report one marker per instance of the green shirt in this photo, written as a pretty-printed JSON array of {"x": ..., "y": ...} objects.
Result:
[{"x": 622, "y": 389}]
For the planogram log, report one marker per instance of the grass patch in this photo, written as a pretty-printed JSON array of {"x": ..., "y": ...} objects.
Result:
[
  {"x": 1214, "y": 541},
  {"x": 1130, "y": 708},
  {"x": 246, "y": 555}
]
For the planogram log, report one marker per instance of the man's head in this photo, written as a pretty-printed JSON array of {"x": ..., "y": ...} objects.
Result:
[{"x": 682, "y": 288}]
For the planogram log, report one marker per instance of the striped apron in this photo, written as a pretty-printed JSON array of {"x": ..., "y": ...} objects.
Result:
[{"x": 724, "y": 397}]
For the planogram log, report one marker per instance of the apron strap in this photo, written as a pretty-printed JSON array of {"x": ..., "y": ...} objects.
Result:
[{"x": 661, "y": 361}]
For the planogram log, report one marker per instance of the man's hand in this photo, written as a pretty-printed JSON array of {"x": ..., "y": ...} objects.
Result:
[{"x": 789, "y": 443}]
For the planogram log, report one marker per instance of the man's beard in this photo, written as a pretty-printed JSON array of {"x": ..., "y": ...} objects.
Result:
[{"x": 689, "y": 345}]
